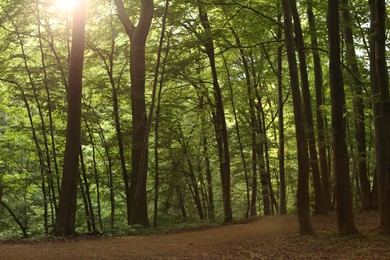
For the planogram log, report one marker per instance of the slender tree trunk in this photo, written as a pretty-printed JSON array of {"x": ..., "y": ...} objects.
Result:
[
  {"x": 194, "y": 182},
  {"x": 239, "y": 136},
  {"x": 318, "y": 81},
  {"x": 109, "y": 166},
  {"x": 45, "y": 193},
  {"x": 376, "y": 108},
  {"x": 87, "y": 191},
  {"x": 319, "y": 207},
  {"x": 96, "y": 174},
  {"x": 109, "y": 64},
  {"x": 345, "y": 218},
  {"x": 282, "y": 174},
  {"x": 358, "y": 104},
  {"x": 272, "y": 199},
  {"x": 50, "y": 114},
  {"x": 303, "y": 157},
  {"x": 84, "y": 189},
  {"x": 382, "y": 117},
  {"x": 220, "y": 122},
  {"x": 263, "y": 170},
  {"x": 210, "y": 202},
  {"x": 17, "y": 220},
  {"x": 181, "y": 204},
  {"x": 252, "y": 125},
  {"x": 66, "y": 219}
]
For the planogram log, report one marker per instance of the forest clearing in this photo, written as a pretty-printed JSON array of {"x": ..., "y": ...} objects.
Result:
[{"x": 271, "y": 237}]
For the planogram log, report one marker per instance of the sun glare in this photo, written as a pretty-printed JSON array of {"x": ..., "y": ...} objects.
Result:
[{"x": 66, "y": 5}]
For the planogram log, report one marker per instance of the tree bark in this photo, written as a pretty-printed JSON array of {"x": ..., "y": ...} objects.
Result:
[
  {"x": 138, "y": 210},
  {"x": 65, "y": 222},
  {"x": 345, "y": 218},
  {"x": 319, "y": 207},
  {"x": 381, "y": 104},
  {"x": 358, "y": 104},
  {"x": 303, "y": 157},
  {"x": 219, "y": 122},
  {"x": 281, "y": 153},
  {"x": 318, "y": 82}
]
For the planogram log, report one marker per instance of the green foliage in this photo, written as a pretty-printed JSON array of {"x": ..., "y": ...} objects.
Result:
[{"x": 33, "y": 108}]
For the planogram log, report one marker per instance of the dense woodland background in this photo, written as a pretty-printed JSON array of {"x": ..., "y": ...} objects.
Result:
[{"x": 242, "y": 108}]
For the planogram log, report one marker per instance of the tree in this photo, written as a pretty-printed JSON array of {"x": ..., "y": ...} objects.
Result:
[
  {"x": 137, "y": 210},
  {"x": 344, "y": 208},
  {"x": 381, "y": 108},
  {"x": 219, "y": 119},
  {"x": 303, "y": 157},
  {"x": 358, "y": 104},
  {"x": 66, "y": 218},
  {"x": 319, "y": 207},
  {"x": 318, "y": 82}
]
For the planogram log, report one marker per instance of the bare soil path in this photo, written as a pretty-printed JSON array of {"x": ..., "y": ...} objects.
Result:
[{"x": 264, "y": 238}]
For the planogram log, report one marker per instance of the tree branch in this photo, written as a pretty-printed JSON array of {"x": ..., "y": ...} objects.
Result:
[{"x": 127, "y": 24}]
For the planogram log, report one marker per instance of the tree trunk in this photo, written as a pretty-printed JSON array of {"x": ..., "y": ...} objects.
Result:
[
  {"x": 319, "y": 207},
  {"x": 193, "y": 181},
  {"x": 65, "y": 223},
  {"x": 158, "y": 110},
  {"x": 382, "y": 115},
  {"x": 345, "y": 218},
  {"x": 318, "y": 81},
  {"x": 84, "y": 194},
  {"x": 282, "y": 175},
  {"x": 109, "y": 166},
  {"x": 50, "y": 114},
  {"x": 358, "y": 104},
  {"x": 219, "y": 122},
  {"x": 377, "y": 114},
  {"x": 210, "y": 202},
  {"x": 252, "y": 125},
  {"x": 303, "y": 157},
  {"x": 20, "y": 224},
  {"x": 138, "y": 210}
]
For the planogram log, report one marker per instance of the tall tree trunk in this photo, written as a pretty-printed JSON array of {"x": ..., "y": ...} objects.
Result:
[
  {"x": 358, "y": 104},
  {"x": 376, "y": 107},
  {"x": 210, "y": 202},
  {"x": 303, "y": 157},
  {"x": 45, "y": 193},
  {"x": 115, "y": 84},
  {"x": 282, "y": 174},
  {"x": 66, "y": 219},
  {"x": 318, "y": 82},
  {"x": 252, "y": 125},
  {"x": 319, "y": 207},
  {"x": 138, "y": 208},
  {"x": 158, "y": 109},
  {"x": 345, "y": 218},
  {"x": 50, "y": 114},
  {"x": 381, "y": 103},
  {"x": 239, "y": 134},
  {"x": 219, "y": 122}
]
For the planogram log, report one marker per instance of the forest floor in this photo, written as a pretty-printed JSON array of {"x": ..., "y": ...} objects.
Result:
[{"x": 262, "y": 238}]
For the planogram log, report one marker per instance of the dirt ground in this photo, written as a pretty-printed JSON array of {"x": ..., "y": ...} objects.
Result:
[{"x": 263, "y": 238}]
